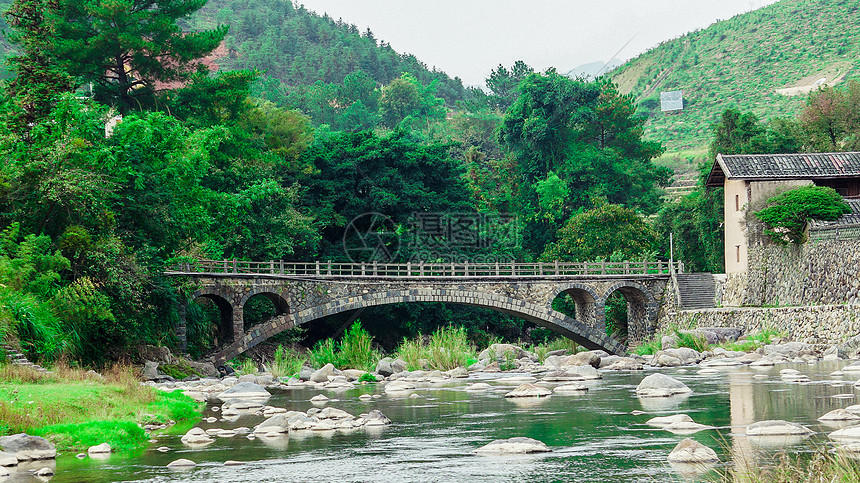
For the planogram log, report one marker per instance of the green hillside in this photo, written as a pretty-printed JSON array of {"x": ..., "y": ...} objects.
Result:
[{"x": 742, "y": 62}]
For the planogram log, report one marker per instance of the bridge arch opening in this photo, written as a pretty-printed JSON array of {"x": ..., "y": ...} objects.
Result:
[
  {"x": 626, "y": 313},
  {"x": 579, "y": 302},
  {"x": 209, "y": 323},
  {"x": 262, "y": 306}
]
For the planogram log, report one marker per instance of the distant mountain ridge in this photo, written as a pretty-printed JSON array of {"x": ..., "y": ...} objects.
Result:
[{"x": 764, "y": 61}]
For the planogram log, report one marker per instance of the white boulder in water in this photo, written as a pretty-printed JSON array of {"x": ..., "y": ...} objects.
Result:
[
  {"x": 661, "y": 385},
  {"x": 691, "y": 451},
  {"x": 518, "y": 445}
]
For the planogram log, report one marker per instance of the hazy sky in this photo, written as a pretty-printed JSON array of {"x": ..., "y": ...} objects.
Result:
[{"x": 469, "y": 38}]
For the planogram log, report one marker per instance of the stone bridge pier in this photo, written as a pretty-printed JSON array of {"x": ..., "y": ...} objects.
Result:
[{"x": 301, "y": 300}]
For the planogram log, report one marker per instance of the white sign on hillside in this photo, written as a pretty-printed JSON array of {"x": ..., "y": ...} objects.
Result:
[{"x": 671, "y": 100}]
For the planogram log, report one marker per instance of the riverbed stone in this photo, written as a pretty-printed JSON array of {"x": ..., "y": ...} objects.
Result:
[
  {"x": 384, "y": 367},
  {"x": 478, "y": 386},
  {"x": 839, "y": 415},
  {"x": 686, "y": 427},
  {"x": 851, "y": 433},
  {"x": 103, "y": 448},
  {"x": 321, "y": 374},
  {"x": 299, "y": 422},
  {"x": 375, "y": 418},
  {"x": 182, "y": 463},
  {"x": 8, "y": 459},
  {"x": 789, "y": 350},
  {"x": 590, "y": 358},
  {"x": 399, "y": 386},
  {"x": 749, "y": 358},
  {"x": 247, "y": 378},
  {"x": 26, "y": 447},
  {"x": 244, "y": 390},
  {"x": 777, "y": 427},
  {"x": 518, "y": 445},
  {"x": 661, "y": 421},
  {"x": 44, "y": 472},
  {"x": 334, "y": 413},
  {"x": 583, "y": 371},
  {"x": 458, "y": 372},
  {"x": 150, "y": 371},
  {"x": 691, "y": 451},
  {"x": 196, "y": 436},
  {"x": 502, "y": 351},
  {"x": 529, "y": 390},
  {"x": 624, "y": 364},
  {"x": 661, "y": 385},
  {"x": 665, "y": 360}
]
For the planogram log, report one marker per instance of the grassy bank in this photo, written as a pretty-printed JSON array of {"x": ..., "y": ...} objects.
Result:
[{"x": 76, "y": 409}]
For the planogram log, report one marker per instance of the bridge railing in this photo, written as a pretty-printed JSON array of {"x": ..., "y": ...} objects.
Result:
[{"x": 424, "y": 269}]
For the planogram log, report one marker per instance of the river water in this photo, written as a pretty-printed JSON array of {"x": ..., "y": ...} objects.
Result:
[{"x": 594, "y": 436}]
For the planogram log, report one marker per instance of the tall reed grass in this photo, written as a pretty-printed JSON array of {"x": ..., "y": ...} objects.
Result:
[
  {"x": 447, "y": 348},
  {"x": 286, "y": 362},
  {"x": 353, "y": 351}
]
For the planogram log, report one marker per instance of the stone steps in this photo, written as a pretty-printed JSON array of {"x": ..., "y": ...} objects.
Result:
[
  {"x": 697, "y": 290},
  {"x": 18, "y": 359}
]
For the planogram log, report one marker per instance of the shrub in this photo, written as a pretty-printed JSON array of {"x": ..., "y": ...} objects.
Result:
[
  {"x": 691, "y": 340},
  {"x": 649, "y": 347},
  {"x": 367, "y": 377},
  {"x": 354, "y": 350}
]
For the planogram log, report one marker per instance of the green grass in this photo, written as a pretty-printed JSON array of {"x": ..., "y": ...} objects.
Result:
[
  {"x": 649, "y": 347},
  {"x": 448, "y": 348},
  {"x": 287, "y": 362},
  {"x": 76, "y": 410},
  {"x": 353, "y": 351},
  {"x": 692, "y": 341}
]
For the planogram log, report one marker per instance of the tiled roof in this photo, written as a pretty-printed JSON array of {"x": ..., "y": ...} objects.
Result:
[
  {"x": 784, "y": 166},
  {"x": 852, "y": 218}
]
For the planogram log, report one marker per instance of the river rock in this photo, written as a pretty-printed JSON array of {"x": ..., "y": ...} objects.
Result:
[
  {"x": 244, "y": 390},
  {"x": 665, "y": 360},
  {"x": 103, "y": 448},
  {"x": 44, "y": 472},
  {"x": 721, "y": 362},
  {"x": 319, "y": 398},
  {"x": 661, "y": 385},
  {"x": 457, "y": 373},
  {"x": 839, "y": 415},
  {"x": 529, "y": 390},
  {"x": 196, "y": 436},
  {"x": 301, "y": 421},
  {"x": 321, "y": 375},
  {"x": 624, "y": 364},
  {"x": 852, "y": 433},
  {"x": 691, "y": 451},
  {"x": 502, "y": 351},
  {"x": 561, "y": 376},
  {"x": 789, "y": 350},
  {"x": 150, "y": 371},
  {"x": 247, "y": 378},
  {"x": 662, "y": 421},
  {"x": 588, "y": 358},
  {"x": 518, "y": 445},
  {"x": 26, "y": 447},
  {"x": 570, "y": 388},
  {"x": 777, "y": 427},
  {"x": 384, "y": 367},
  {"x": 749, "y": 358},
  {"x": 516, "y": 380},
  {"x": 583, "y": 371},
  {"x": 375, "y": 418},
  {"x": 8, "y": 459},
  {"x": 182, "y": 463},
  {"x": 686, "y": 427},
  {"x": 205, "y": 369},
  {"x": 334, "y": 413}
]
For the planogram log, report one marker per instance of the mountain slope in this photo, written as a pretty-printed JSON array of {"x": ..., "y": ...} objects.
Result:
[{"x": 763, "y": 61}]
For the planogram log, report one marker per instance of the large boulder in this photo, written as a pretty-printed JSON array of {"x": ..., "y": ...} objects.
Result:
[
  {"x": 244, "y": 390},
  {"x": 502, "y": 351},
  {"x": 150, "y": 371},
  {"x": 839, "y": 415},
  {"x": 205, "y": 369},
  {"x": 584, "y": 371},
  {"x": 103, "y": 448},
  {"x": 321, "y": 375},
  {"x": 624, "y": 364},
  {"x": 661, "y": 385},
  {"x": 777, "y": 427},
  {"x": 663, "y": 421},
  {"x": 182, "y": 463},
  {"x": 529, "y": 390},
  {"x": 376, "y": 418},
  {"x": 588, "y": 358},
  {"x": 518, "y": 445},
  {"x": 399, "y": 386},
  {"x": 789, "y": 350},
  {"x": 26, "y": 447},
  {"x": 691, "y": 451},
  {"x": 383, "y": 367}
]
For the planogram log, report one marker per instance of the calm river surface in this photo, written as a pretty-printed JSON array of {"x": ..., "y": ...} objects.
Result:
[{"x": 594, "y": 436}]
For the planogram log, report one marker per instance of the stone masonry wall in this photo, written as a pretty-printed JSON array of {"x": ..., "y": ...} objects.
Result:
[
  {"x": 815, "y": 273},
  {"x": 821, "y": 324}
]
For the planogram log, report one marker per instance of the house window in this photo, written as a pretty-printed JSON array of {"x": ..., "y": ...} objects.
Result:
[
  {"x": 737, "y": 202},
  {"x": 738, "y": 253}
]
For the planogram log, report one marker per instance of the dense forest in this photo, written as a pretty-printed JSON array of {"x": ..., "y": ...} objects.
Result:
[{"x": 136, "y": 135}]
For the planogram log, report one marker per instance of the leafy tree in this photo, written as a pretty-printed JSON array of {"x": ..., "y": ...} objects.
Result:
[
  {"x": 600, "y": 232},
  {"x": 39, "y": 79},
  {"x": 695, "y": 221},
  {"x": 125, "y": 47},
  {"x": 831, "y": 118},
  {"x": 787, "y": 213},
  {"x": 503, "y": 83}
]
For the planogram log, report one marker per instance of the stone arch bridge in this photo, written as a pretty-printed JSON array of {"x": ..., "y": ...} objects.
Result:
[{"x": 304, "y": 292}]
